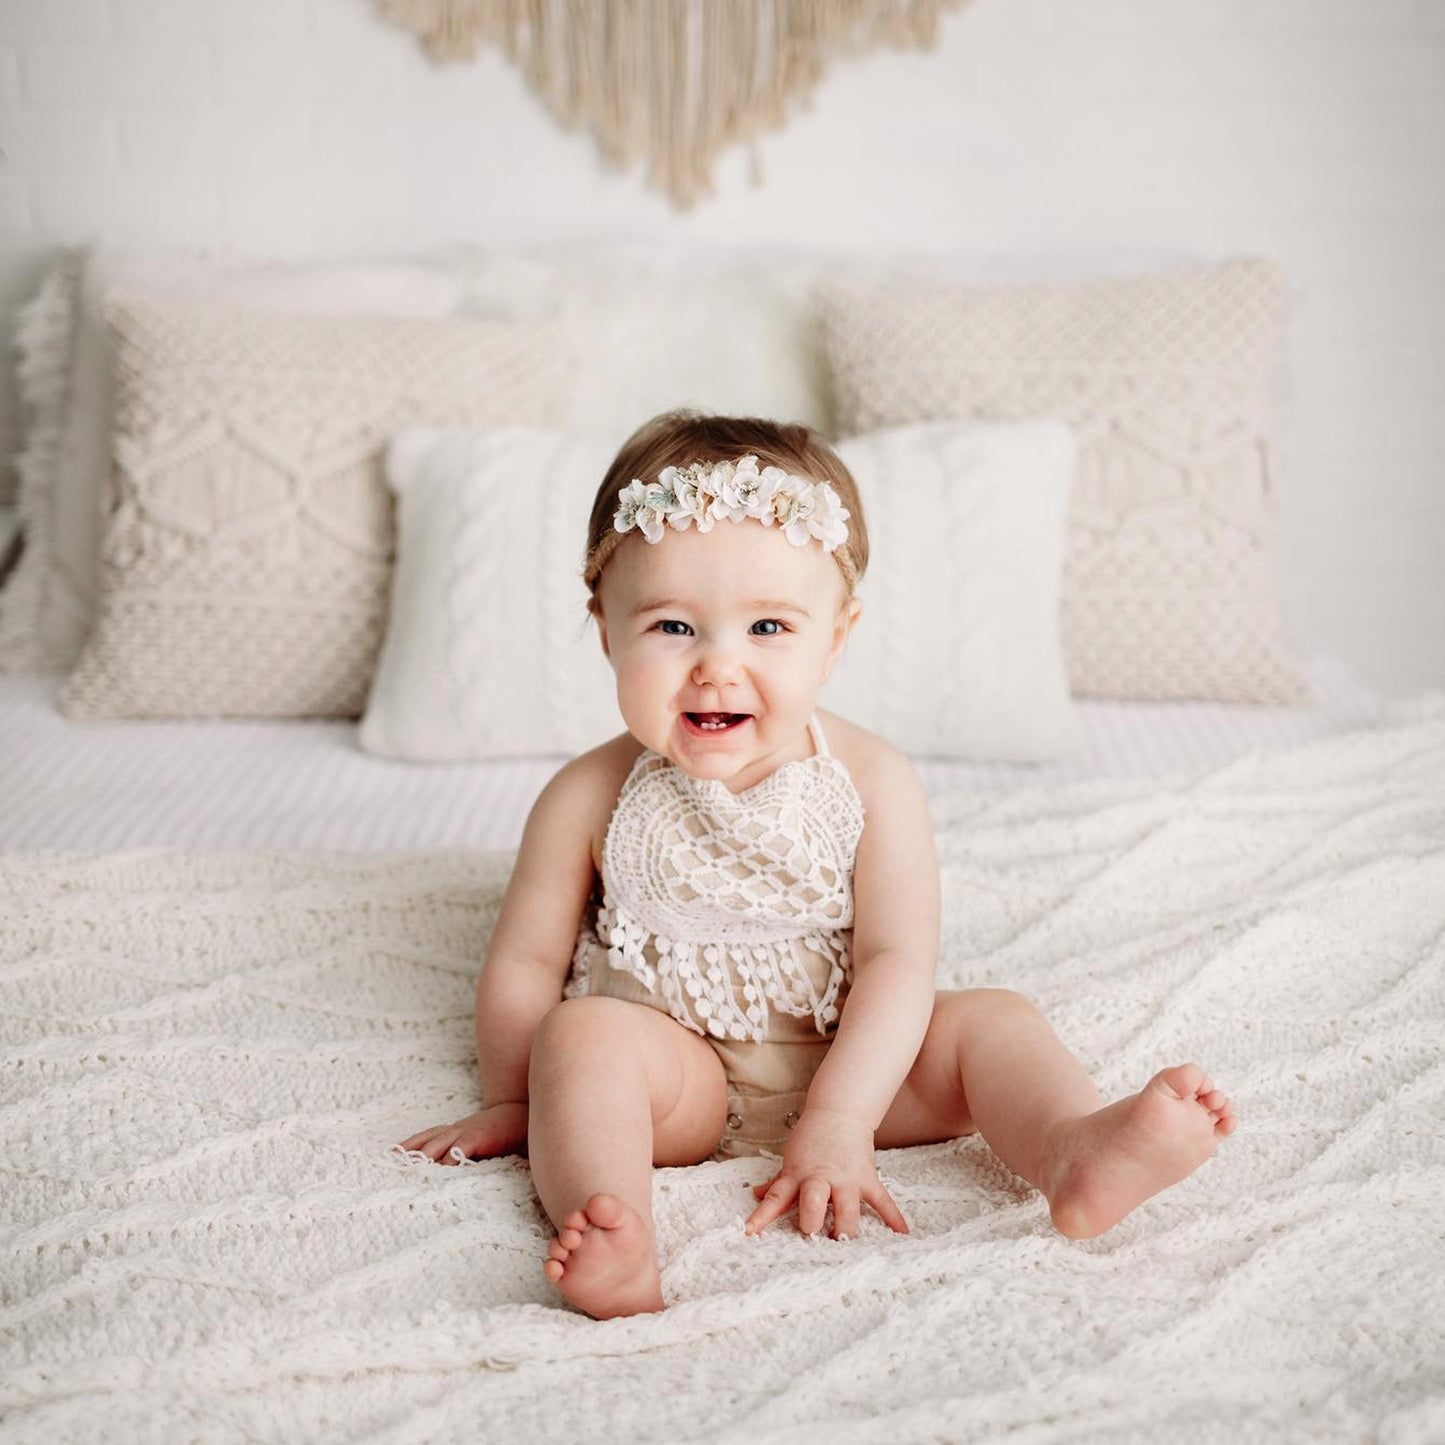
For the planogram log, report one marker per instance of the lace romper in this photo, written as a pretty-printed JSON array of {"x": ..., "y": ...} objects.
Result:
[{"x": 733, "y": 913}]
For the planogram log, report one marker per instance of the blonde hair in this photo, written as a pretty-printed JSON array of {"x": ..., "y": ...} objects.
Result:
[{"x": 679, "y": 438}]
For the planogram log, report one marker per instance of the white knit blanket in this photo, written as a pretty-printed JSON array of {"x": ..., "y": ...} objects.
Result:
[{"x": 207, "y": 1057}]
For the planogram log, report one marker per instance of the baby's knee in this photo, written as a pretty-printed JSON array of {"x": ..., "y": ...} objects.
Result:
[
  {"x": 991, "y": 999},
  {"x": 576, "y": 1023}
]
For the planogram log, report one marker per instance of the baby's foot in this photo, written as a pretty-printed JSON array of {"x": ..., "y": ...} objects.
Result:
[
  {"x": 1106, "y": 1163},
  {"x": 602, "y": 1259}
]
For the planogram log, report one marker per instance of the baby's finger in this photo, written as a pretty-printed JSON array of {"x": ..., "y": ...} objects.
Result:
[
  {"x": 777, "y": 1200},
  {"x": 418, "y": 1141},
  {"x": 845, "y": 1213},
  {"x": 813, "y": 1204},
  {"x": 887, "y": 1210},
  {"x": 471, "y": 1144},
  {"x": 436, "y": 1147},
  {"x": 437, "y": 1144},
  {"x": 759, "y": 1190}
]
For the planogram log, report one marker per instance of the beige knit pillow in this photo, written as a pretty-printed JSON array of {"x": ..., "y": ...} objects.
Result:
[
  {"x": 1169, "y": 586},
  {"x": 247, "y": 559}
]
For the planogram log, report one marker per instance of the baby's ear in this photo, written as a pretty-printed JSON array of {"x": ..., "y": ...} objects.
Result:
[{"x": 847, "y": 620}]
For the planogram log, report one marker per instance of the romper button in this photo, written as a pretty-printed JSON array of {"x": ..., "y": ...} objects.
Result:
[
  {"x": 792, "y": 1118},
  {"x": 735, "y": 1121}
]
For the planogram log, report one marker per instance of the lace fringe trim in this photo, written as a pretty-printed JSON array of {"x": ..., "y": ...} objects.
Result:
[{"x": 719, "y": 989}]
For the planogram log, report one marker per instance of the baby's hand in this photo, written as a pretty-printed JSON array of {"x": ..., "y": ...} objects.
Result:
[
  {"x": 502, "y": 1129},
  {"x": 829, "y": 1155}
]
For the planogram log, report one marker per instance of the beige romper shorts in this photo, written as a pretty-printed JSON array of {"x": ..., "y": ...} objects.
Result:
[{"x": 767, "y": 1083}]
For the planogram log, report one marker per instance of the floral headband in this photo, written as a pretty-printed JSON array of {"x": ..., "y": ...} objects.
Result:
[{"x": 709, "y": 492}]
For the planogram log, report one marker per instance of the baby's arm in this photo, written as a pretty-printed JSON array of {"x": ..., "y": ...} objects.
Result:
[
  {"x": 885, "y": 1016},
  {"x": 896, "y": 903},
  {"x": 528, "y": 958}
]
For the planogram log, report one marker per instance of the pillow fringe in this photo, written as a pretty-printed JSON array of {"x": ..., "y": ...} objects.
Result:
[{"x": 43, "y": 340}]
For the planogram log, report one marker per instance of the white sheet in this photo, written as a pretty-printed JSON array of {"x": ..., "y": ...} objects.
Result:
[
  {"x": 308, "y": 784},
  {"x": 205, "y": 1236}
]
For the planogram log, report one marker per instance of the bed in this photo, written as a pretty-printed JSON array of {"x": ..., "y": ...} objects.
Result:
[{"x": 238, "y": 959}]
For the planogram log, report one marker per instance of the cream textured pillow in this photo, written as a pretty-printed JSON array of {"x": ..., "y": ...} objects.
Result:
[
  {"x": 489, "y": 652},
  {"x": 247, "y": 560},
  {"x": 1169, "y": 585},
  {"x": 48, "y": 608}
]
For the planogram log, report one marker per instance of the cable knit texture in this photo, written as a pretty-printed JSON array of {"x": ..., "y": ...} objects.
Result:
[
  {"x": 1169, "y": 587},
  {"x": 208, "y": 1056},
  {"x": 489, "y": 650},
  {"x": 716, "y": 900},
  {"x": 957, "y": 651},
  {"x": 248, "y": 557}
]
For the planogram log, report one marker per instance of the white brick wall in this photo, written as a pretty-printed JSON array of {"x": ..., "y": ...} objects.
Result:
[{"x": 1312, "y": 131}]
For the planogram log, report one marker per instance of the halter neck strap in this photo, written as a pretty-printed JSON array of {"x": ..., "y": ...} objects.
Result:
[{"x": 820, "y": 743}]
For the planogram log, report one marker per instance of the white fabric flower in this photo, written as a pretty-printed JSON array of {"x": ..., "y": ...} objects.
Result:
[
  {"x": 644, "y": 505},
  {"x": 684, "y": 498},
  {"x": 828, "y": 518}
]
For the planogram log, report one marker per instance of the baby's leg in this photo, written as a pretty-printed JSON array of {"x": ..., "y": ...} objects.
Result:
[
  {"x": 614, "y": 1087},
  {"x": 991, "y": 1062}
]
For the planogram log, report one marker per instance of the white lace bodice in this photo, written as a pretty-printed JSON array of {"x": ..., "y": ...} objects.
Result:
[{"x": 717, "y": 900}]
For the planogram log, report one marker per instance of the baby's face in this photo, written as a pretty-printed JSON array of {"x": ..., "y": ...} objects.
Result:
[{"x": 720, "y": 642}]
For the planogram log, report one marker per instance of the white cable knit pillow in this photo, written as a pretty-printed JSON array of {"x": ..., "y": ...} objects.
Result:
[
  {"x": 957, "y": 651},
  {"x": 248, "y": 557},
  {"x": 1169, "y": 587},
  {"x": 489, "y": 651}
]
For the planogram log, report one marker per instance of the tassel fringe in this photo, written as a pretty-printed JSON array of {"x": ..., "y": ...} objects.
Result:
[{"x": 671, "y": 82}]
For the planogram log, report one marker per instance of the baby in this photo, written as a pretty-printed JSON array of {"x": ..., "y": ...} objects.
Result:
[{"x": 721, "y": 931}]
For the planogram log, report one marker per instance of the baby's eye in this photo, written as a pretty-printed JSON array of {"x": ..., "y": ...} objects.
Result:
[
  {"x": 767, "y": 627},
  {"x": 671, "y": 627}
]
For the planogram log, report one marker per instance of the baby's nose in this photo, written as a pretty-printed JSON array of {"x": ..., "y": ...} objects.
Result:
[{"x": 717, "y": 665}]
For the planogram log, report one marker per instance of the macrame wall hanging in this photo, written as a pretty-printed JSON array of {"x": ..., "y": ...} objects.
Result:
[{"x": 671, "y": 81}]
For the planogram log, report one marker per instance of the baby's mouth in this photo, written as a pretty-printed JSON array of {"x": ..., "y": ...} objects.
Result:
[{"x": 715, "y": 722}]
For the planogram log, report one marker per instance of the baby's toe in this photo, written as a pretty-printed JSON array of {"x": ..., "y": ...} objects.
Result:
[
  {"x": 553, "y": 1270},
  {"x": 1183, "y": 1081},
  {"x": 556, "y": 1250},
  {"x": 606, "y": 1210},
  {"x": 569, "y": 1239},
  {"x": 578, "y": 1221}
]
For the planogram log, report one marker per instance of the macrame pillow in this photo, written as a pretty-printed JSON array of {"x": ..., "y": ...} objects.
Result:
[
  {"x": 248, "y": 555},
  {"x": 489, "y": 651},
  {"x": 1169, "y": 586},
  {"x": 66, "y": 363}
]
